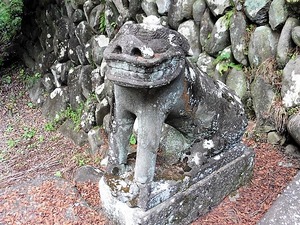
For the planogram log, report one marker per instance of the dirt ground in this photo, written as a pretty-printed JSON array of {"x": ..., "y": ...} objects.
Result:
[{"x": 37, "y": 166}]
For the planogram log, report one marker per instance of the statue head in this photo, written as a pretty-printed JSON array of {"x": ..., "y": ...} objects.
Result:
[{"x": 145, "y": 55}]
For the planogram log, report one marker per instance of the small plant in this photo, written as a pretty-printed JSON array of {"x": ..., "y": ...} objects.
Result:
[
  {"x": 228, "y": 17},
  {"x": 102, "y": 24},
  {"x": 30, "y": 105},
  {"x": 6, "y": 79},
  {"x": 58, "y": 174},
  {"x": 81, "y": 159},
  {"x": 74, "y": 115},
  {"x": 9, "y": 128},
  {"x": 41, "y": 138},
  {"x": 224, "y": 62},
  {"x": 132, "y": 139},
  {"x": 293, "y": 111},
  {"x": 31, "y": 80},
  {"x": 12, "y": 143},
  {"x": 28, "y": 133},
  {"x": 49, "y": 126}
]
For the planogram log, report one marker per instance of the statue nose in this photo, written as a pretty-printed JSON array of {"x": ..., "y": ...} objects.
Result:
[
  {"x": 142, "y": 51},
  {"x": 132, "y": 46}
]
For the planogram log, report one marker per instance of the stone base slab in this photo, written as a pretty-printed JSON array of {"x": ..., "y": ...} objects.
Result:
[{"x": 185, "y": 206}]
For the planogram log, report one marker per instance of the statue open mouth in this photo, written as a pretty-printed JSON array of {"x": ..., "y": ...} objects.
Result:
[{"x": 139, "y": 75}]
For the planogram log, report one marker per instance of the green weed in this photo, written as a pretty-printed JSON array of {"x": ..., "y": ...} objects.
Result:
[
  {"x": 12, "y": 143},
  {"x": 132, "y": 140},
  {"x": 29, "y": 133}
]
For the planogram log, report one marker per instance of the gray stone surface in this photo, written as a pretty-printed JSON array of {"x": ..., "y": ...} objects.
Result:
[
  {"x": 219, "y": 38},
  {"x": 199, "y": 7},
  {"x": 257, "y": 10},
  {"x": 190, "y": 31},
  {"x": 56, "y": 102},
  {"x": 218, "y": 7},
  {"x": 238, "y": 34},
  {"x": 285, "y": 210},
  {"x": 69, "y": 130},
  {"x": 263, "y": 97},
  {"x": 262, "y": 45},
  {"x": 296, "y": 35},
  {"x": 285, "y": 42},
  {"x": 186, "y": 205},
  {"x": 290, "y": 90},
  {"x": 293, "y": 127},
  {"x": 278, "y": 14},
  {"x": 236, "y": 80},
  {"x": 179, "y": 10},
  {"x": 87, "y": 174},
  {"x": 95, "y": 141},
  {"x": 206, "y": 28},
  {"x": 206, "y": 63}
]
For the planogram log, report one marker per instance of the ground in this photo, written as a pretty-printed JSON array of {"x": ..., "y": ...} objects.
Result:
[{"x": 37, "y": 166}]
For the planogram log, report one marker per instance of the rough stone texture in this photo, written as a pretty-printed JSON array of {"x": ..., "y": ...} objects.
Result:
[
  {"x": 285, "y": 210},
  {"x": 218, "y": 7},
  {"x": 190, "y": 31},
  {"x": 290, "y": 90},
  {"x": 238, "y": 37},
  {"x": 275, "y": 138},
  {"x": 263, "y": 97},
  {"x": 206, "y": 28},
  {"x": 262, "y": 46},
  {"x": 293, "y": 127},
  {"x": 206, "y": 64},
  {"x": 163, "y": 6},
  {"x": 219, "y": 37},
  {"x": 199, "y": 7},
  {"x": 285, "y": 42},
  {"x": 149, "y": 7},
  {"x": 99, "y": 43},
  {"x": 257, "y": 10},
  {"x": 68, "y": 129},
  {"x": 36, "y": 93},
  {"x": 56, "y": 102},
  {"x": 172, "y": 143},
  {"x": 87, "y": 174},
  {"x": 278, "y": 14},
  {"x": 179, "y": 10},
  {"x": 296, "y": 35},
  {"x": 188, "y": 204},
  {"x": 95, "y": 141},
  {"x": 236, "y": 80}
]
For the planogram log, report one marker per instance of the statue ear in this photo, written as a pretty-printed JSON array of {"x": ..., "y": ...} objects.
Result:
[{"x": 181, "y": 42}]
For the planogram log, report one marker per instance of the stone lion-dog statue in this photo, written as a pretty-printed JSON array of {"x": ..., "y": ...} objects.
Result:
[{"x": 155, "y": 83}]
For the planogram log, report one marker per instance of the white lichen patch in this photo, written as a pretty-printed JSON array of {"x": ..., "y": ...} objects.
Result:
[
  {"x": 57, "y": 91},
  {"x": 78, "y": 100},
  {"x": 208, "y": 144},
  {"x": 102, "y": 41},
  {"x": 192, "y": 74},
  {"x": 49, "y": 36},
  {"x": 152, "y": 20},
  {"x": 197, "y": 159},
  {"x": 292, "y": 96},
  {"x": 147, "y": 52}
]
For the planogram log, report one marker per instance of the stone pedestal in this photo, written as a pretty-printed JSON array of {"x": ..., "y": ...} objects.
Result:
[{"x": 178, "y": 201}]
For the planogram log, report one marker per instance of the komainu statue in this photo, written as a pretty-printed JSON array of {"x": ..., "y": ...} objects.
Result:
[{"x": 155, "y": 83}]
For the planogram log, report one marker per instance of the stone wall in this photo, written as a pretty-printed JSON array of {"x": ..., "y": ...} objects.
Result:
[{"x": 251, "y": 45}]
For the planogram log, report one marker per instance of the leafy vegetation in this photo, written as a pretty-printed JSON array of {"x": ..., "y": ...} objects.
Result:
[
  {"x": 10, "y": 23},
  {"x": 224, "y": 62}
]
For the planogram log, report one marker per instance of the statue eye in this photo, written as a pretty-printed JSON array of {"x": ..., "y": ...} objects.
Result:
[{"x": 159, "y": 45}]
